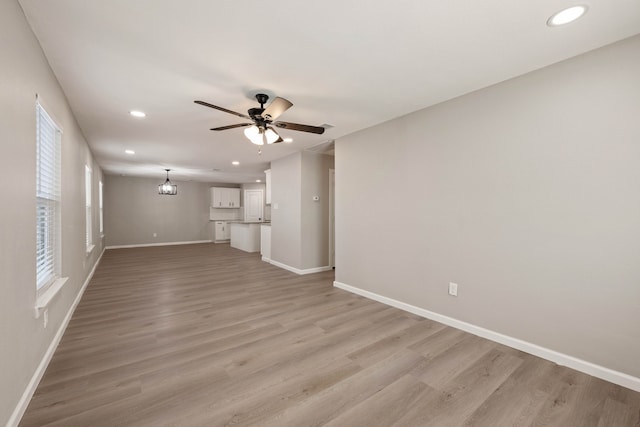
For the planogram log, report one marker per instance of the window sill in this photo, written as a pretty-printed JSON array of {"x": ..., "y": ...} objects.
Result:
[
  {"x": 90, "y": 248},
  {"x": 43, "y": 301}
]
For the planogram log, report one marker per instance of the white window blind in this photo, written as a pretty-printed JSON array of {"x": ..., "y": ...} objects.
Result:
[
  {"x": 87, "y": 185},
  {"x": 48, "y": 138}
]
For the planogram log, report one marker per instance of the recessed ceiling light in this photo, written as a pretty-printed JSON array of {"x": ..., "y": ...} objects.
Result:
[
  {"x": 129, "y": 151},
  {"x": 567, "y": 15},
  {"x": 235, "y": 163},
  {"x": 258, "y": 180},
  {"x": 289, "y": 140},
  {"x": 136, "y": 113}
]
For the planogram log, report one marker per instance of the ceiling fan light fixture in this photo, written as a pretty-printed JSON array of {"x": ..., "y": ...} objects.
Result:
[
  {"x": 271, "y": 136},
  {"x": 168, "y": 188},
  {"x": 254, "y": 134}
]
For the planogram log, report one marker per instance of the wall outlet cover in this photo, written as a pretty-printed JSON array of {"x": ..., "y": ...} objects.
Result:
[{"x": 453, "y": 289}]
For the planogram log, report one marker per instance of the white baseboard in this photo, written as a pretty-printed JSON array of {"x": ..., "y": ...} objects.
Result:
[
  {"x": 299, "y": 271},
  {"x": 144, "y": 245},
  {"x": 21, "y": 407},
  {"x": 265, "y": 259},
  {"x": 562, "y": 359}
]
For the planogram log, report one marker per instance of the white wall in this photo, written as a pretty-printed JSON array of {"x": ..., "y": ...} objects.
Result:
[
  {"x": 134, "y": 211},
  {"x": 23, "y": 339},
  {"x": 526, "y": 194}
]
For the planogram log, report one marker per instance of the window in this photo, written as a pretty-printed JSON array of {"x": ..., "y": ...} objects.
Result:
[
  {"x": 100, "y": 205},
  {"x": 48, "y": 141},
  {"x": 87, "y": 203}
]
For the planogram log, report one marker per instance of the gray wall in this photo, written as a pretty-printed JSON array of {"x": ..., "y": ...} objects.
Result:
[
  {"x": 525, "y": 193},
  {"x": 315, "y": 214},
  {"x": 299, "y": 225},
  {"x": 286, "y": 210},
  {"x": 134, "y": 211},
  {"x": 23, "y": 338}
]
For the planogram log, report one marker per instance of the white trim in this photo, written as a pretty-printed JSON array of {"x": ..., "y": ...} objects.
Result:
[
  {"x": 299, "y": 271},
  {"x": 562, "y": 359},
  {"x": 332, "y": 216},
  {"x": 42, "y": 301},
  {"x": 21, "y": 407},
  {"x": 265, "y": 259},
  {"x": 144, "y": 245}
]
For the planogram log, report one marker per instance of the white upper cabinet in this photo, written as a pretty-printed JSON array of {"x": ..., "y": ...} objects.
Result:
[
  {"x": 268, "y": 187},
  {"x": 228, "y": 198},
  {"x": 234, "y": 197}
]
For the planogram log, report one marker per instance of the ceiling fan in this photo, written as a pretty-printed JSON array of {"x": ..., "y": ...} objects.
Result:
[{"x": 261, "y": 130}]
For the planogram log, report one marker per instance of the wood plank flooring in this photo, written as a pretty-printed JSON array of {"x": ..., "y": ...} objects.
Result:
[{"x": 207, "y": 335}]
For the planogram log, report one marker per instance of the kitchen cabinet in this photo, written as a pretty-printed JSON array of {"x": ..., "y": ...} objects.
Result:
[
  {"x": 222, "y": 231},
  {"x": 265, "y": 242},
  {"x": 245, "y": 236},
  {"x": 268, "y": 186},
  {"x": 227, "y": 198}
]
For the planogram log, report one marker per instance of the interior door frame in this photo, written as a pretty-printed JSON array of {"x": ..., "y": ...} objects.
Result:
[{"x": 332, "y": 214}]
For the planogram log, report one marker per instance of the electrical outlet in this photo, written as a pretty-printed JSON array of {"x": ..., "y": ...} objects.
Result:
[
  {"x": 453, "y": 289},
  {"x": 46, "y": 317}
]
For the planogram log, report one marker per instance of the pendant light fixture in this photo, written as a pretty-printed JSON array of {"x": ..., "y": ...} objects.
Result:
[{"x": 168, "y": 189}]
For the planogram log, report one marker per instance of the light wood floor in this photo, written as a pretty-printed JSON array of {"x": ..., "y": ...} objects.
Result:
[{"x": 206, "y": 335}]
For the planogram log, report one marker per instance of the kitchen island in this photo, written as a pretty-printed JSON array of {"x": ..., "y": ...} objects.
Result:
[{"x": 245, "y": 235}]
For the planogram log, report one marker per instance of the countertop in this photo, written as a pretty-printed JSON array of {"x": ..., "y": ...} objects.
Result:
[
  {"x": 249, "y": 222},
  {"x": 239, "y": 221}
]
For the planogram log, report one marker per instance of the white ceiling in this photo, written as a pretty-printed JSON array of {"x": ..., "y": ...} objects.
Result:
[{"x": 348, "y": 63}]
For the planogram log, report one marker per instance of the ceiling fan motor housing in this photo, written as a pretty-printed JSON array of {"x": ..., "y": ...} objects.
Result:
[
  {"x": 262, "y": 99},
  {"x": 255, "y": 113}
]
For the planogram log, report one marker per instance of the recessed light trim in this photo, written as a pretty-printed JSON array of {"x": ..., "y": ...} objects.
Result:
[
  {"x": 235, "y": 163},
  {"x": 129, "y": 151},
  {"x": 566, "y": 16},
  {"x": 137, "y": 113},
  {"x": 288, "y": 140},
  {"x": 258, "y": 180}
]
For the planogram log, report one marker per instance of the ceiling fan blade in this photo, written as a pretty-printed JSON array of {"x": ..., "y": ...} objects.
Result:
[
  {"x": 277, "y": 107},
  {"x": 239, "y": 125},
  {"x": 299, "y": 127},
  {"x": 206, "y": 104}
]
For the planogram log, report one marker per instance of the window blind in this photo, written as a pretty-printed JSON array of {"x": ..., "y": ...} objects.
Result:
[{"x": 47, "y": 198}]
